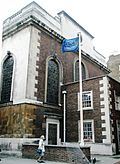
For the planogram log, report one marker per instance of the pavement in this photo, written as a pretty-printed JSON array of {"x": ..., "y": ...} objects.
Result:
[
  {"x": 104, "y": 159},
  {"x": 100, "y": 159},
  {"x": 15, "y": 160}
]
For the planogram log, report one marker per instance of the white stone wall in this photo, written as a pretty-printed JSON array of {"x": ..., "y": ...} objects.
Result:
[
  {"x": 34, "y": 37},
  {"x": 15, "y": 143},
  {"x": 18, "y": 45},
  {"x": 102, "y": 149},
  {"x": 105, "y": 109}
]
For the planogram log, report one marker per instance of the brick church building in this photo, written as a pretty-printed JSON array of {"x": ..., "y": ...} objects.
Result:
[{"x": 38, "y": 82}]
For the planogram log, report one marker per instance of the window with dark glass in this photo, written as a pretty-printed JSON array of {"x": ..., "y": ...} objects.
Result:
[
  {"x": 77, "y": 71},
  {"x": 7, "y": 72},
  {"x": 52, "y": 82},
  {"x": 83, "y": 71}
]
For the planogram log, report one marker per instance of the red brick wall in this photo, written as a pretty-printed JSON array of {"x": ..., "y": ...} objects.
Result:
[
  {"x": 93, "y": 69},
  {"x": 73, "y": 115},
  {"x": 115, "y": 114},
  {"x": 49, "y": 45},
  {"x": 58, "y": 153}
]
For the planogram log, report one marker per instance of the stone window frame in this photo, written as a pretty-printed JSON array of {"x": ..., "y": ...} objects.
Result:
[
  {"x": 53, "y": 121},
  {"x": 89, "y": 140},
  {"x": 9, "y": 54},
  {"x": 90, "y": 93},
  {"x": 54, "y": 57},
  {"x": 91, "y": 96}
]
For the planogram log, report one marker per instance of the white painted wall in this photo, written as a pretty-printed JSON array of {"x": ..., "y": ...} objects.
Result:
[
  {"x": 18, "y": 45},
  {"x": 105, "y": 109},
  {"x": 102, "y": 149},
  {"x": 34, "y": 37}
]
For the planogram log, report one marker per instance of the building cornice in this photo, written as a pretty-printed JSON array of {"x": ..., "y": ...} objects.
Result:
[
  {"x": 30, "y": 20},
  {"x": 31, "y": 10}
]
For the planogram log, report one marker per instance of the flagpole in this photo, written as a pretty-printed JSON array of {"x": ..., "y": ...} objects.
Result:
[{"x": 80, "y": 93}]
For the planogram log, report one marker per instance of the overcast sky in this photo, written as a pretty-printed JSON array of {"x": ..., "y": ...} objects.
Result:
[{"x": 101, "y": 18}]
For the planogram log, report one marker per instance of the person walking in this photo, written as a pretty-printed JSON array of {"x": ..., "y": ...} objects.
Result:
[{"x": 41, "y": 149}]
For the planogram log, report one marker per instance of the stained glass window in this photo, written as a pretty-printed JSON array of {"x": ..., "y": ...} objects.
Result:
[
  {"x": 7, "y": 72},
  {"x": 53, "y": 82}
]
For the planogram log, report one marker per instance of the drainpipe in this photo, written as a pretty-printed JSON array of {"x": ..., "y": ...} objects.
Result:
[{"x": 64, "y": 121}]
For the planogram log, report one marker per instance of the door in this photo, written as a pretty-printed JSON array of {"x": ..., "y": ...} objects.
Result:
[{"x": 52, "y": 133}]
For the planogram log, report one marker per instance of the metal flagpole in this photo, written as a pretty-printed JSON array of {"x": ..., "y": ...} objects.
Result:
[{"x": 80, "y": 93}]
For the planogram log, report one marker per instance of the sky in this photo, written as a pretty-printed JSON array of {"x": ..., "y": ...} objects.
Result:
[{"x": 101, "y": 18}]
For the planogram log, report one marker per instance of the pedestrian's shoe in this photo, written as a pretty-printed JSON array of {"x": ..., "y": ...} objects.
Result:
[
  {"x": 38, "y": 161},
  {"x": 41, "y": 161}
]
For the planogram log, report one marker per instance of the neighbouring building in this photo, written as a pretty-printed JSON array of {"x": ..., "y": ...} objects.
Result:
[
  {"x": 37, "y": 80},
  {"x": 113, "y": 64}
]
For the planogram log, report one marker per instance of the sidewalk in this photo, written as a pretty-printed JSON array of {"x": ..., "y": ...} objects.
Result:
[
  {"x": 15, "y": 160},
  {"x": 106, "y": 159},
  {"x": 18, "y": 160}
]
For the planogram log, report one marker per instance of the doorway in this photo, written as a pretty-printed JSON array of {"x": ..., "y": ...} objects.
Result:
[{"x": 52, "y": 131}]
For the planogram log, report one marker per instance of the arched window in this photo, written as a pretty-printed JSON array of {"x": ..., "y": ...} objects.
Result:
[
  {"x": 77, "y": 71},
  {"x": 7, "y": 72},
  {"x": 83, "y": 71},
  {"x": 52, "y": 82}
]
